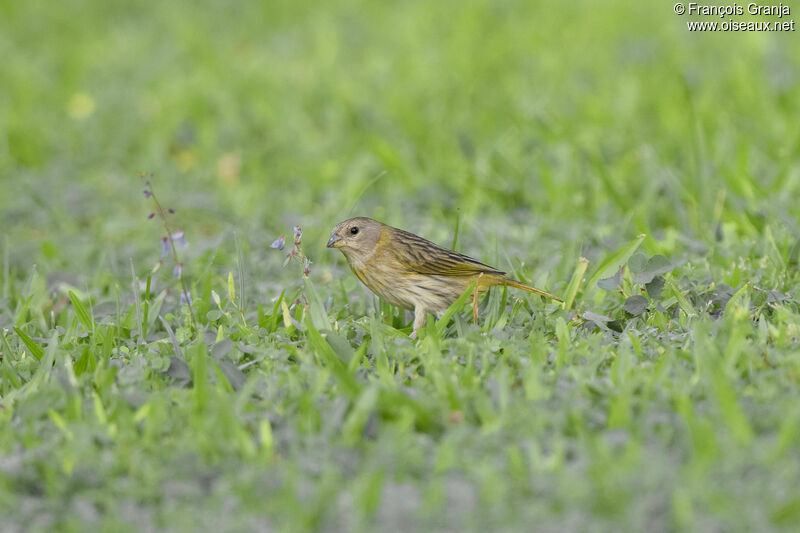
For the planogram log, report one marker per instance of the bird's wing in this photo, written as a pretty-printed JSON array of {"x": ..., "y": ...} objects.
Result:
[{"x": 425, "y": 257}]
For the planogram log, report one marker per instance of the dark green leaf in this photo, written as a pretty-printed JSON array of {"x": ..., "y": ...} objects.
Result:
[
  {"x": 658, "y": 264},
  {"x": 221, "y": 349},
  {"x": 179, "y": 370},
  {"x": 609, "y": 284},
  {"x": 637, "y": 263},
  {"x": 616, "y": 325},
  {"x": 655, "y": 287},
  {"x": 636, "y": 304},
  {"x": 235, "y": 376},
  {"x": 594, "y": 317},
  {"x": 599, "y": 320}
]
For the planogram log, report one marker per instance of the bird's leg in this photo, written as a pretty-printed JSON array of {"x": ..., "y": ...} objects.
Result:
[
  {"x": 475, "y": 300},
  {"x": 419, "y": 319}
]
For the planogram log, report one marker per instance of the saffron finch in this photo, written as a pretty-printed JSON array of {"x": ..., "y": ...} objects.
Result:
[{"x": 414, "y": 273}]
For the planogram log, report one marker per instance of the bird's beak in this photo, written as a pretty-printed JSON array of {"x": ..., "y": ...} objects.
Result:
[{"x": 332, "y": 242}]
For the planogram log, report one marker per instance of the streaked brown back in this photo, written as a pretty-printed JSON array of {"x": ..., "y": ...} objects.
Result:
[{"x": 426, "y": 257}]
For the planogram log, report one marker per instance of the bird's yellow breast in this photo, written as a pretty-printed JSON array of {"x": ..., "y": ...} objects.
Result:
[{"x": 404, "y": 288}]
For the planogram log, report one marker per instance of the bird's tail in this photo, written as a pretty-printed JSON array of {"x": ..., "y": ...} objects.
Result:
[{"x": 534, "y": 290}]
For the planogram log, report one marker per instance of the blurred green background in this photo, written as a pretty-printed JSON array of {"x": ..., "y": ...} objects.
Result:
[
  {"x": 543, "y": 131},
  {"x": 553, "y": 127}
]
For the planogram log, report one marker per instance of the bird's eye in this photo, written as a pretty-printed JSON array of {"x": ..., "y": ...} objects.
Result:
[{"x": 354, "y": 230}]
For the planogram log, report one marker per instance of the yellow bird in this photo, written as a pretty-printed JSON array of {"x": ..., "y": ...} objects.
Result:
[{"x": 414, "y": 273}]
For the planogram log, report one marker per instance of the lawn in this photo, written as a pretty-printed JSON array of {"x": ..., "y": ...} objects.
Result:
[{"x": 647, "y": 174}]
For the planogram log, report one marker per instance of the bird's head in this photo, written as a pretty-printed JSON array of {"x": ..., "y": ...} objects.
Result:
[{"x": 357, "y": 238}]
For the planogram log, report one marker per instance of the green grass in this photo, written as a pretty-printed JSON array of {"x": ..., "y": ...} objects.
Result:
[{"x": 663, "y": 397}]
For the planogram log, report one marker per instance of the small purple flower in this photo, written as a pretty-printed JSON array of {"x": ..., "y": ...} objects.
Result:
[
  {"x": 178, "y": 270},
  {"x": 147, "y": 193},
  {"x": 151, "y": 215},
  {"x": 180, "y": 238},
  {"x": 306, "y": 266},
  {"x": 171, "y": 211},
  {"x": 297, "y": 232},
  {"x": 164, "y": 247},
  {"x": 186, "y": 298},
  {"x": 279, "y": 243}
]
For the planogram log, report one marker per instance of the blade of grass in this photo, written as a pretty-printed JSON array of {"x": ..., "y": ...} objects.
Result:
[
  {"x": 563, "y": 342},
  {"x": 136, "y": 299},
  {"x": 316, "y": 308},
  {"x": 146, "y": 305},
  {"x": 732, "y": 413},
  {"x": 175, "y": 344},
  {"x": 615, "y": 259},
  {"x": 199, "y": 369},
  {"x": 575, "y": 282},
  {"x": 736, "y": 303},
  {"x": 684, "y": 304},
  {"x": 34, "y": 348},
  {"x": 320, "y": 346},
  {"x": 83, "y": 314},
  {"x": 454, "y": 308}
]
